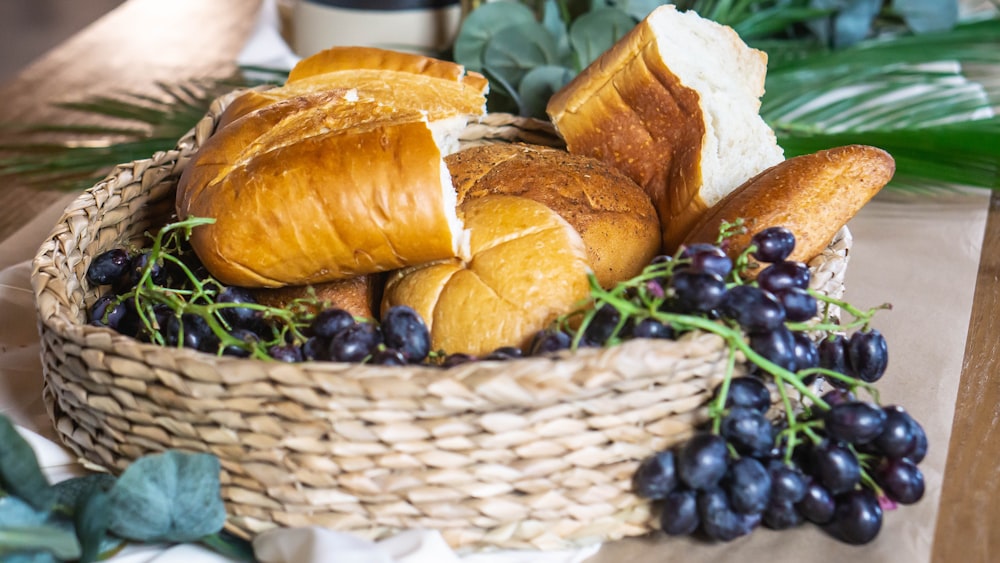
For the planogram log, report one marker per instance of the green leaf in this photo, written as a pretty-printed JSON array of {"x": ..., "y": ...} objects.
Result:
[
  {"x": 923, "y": 16},
  {"x": 92, "y": 517},
  {"x": 513, "y": 51},
  {"x": 481, "y": 25},
  {"x": 539, "y": 85},
  {"x": 69, "y": 492},
  {"x": 595, "y": 32},
  {"x": 20, "y": 473},
  {"x": 229, "y": 545},
  {"x": 554, "y": 24},
  {"x": 29, "y": 533},
  {"x": 639, "y": 9},
  {"x": 171, "y": 497}
]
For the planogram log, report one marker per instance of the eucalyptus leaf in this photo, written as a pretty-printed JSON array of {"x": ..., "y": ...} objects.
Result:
[
  {"x": 28, "y": 534},
  {"x": 92, "y": 517},
  {"x": 481, "y": 25},
  {"x": 639, "y": 9},
  {"x": 595, "y": 32},
  {"x": 552, "y": 21},
  {"x": 513, "y": 51},
  {"x": 170, "y": 497},
  {"x": 927, "y": 15},
  {"x": 850, "y": 23},
  {"x": 229, "y": 545},
  {"x": 538, "y": 85},
  {"x": 69, "y": 491},
  {"x": 20, "y": 473}
]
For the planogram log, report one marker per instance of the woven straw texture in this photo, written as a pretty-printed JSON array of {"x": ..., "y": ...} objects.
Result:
[{"x": 533, "y": 453}]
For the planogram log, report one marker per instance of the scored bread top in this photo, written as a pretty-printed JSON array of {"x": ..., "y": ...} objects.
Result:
[
  {"x": 675, "y": 105},
  {"x": 527, "y": 266}
]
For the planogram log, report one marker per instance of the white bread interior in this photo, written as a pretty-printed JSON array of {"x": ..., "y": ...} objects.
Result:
[{"x": 675, "y": 105}]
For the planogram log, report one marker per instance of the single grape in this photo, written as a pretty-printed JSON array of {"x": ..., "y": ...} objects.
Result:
[
  {"x": 139, "y": 263},
  {"x": 783, "y": 275},
  {"x": 774, "y": 244},
  {"x": 107, "y": 311},
  {"x": 702, "y": 460},
  {"x": 748, "y": 391},
  {"x": 130, "y": 323},
  {"x": 817, "y": 505},
  {"x": 549, "y": 340},
  {"x": 799, "y": 304},
  {"x": 504, "y": 353},
  {"x": 457, "y": 359},
  {"x": 329, "y": 322},
  {"x": 855, "y": 422},
  {"x": 898, "y": 435},
  {"x": 108, "y": 267},
  {"x": 656, "y": 476},
  {"x": 651, "y": 328},
  {"x": 696, "y": 292},
  {"x": 748, "y": 431},
  {"x": 777, "y": 346},
  {"x": 836, "y": 467},
  {"x": 919, "y": 450},
  {"x": 857, "y": 518},
  {"x": 197, "y": 334},
  {"x": 832, "y": 353},
  {"x": 805, "y": 351},
  {"x": 286, "y": 353},
  {"x": 404, "y": 330},
  {"x": 748, "y": 484},
  {"x": 837, "y": 396},
  {"x": 679, "y": 513},
  {"x": 781, "y": 516},
  {"x": 867, "y": 355},
  {"x": 752, "y": 308},
  {"x": 355, "y": 343},
  {"x": 708, "y": 259},
  {"x": 602, "y": 325},
  {"x": 901, "y": 480},
  {"x": 239, "y": 317},
  {"x": 788, "y": 485},
  {"x": 316, "y": 348},
  {"x": 389, "y": 357},
  {"x": 249, "y": 339},
  {"x": 719, "y": 521}
]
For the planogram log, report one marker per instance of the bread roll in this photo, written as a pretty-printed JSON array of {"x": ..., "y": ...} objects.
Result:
[
  {"x": 527, "y": 266},
  {"x": 675, "y": 105},
  {"x": 814, "y": 195},
  {"x": 328, "y": 184},
  {"x": 613, "y": 215},
  {"x": 358, "y": 295}
]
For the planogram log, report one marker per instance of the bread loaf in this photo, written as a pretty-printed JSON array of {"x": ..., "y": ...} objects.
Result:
[
  {"x": 527, "y": 266},
  {"x": 675, "y": 105},
  {"x": 814, "y": 195},
  {"x": 613, "y": 215},
  {"x": 358, "y": 295},
  {"x": 330, "y": 182}
]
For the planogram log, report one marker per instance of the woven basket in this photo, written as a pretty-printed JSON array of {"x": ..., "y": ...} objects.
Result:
[{"x": 532, "y": 453}]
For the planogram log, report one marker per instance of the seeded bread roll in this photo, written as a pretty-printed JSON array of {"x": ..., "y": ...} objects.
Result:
[
  {"x": 329, "y": 184},
  {"x": 527, "y": 266},
  {"x": 358, "y": 295},
  {"x": 675, "y": 105},
  {"x": 613, "y": 215}
]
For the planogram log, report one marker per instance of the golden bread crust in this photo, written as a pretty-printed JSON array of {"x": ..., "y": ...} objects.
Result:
[
  {"x": 814, "y": 195},
  {"x": 613, "y": 215},
  {"x": 527, "y": 266},
  {"x": 357, "y": 295}
]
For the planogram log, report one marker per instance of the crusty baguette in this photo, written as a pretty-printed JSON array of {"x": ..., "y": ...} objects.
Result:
[
  {"x": 675, "y": 105},
  {"x": 612, "y": 213},
  {"x": 814, "y": 195},
  {"x": 527, "y": 266},
  {"x": 328, "y": 184}
]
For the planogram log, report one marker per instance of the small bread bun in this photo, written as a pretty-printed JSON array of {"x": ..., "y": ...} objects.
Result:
[
  {"x": 813, "y": 195},
  {"x": 357, "y": 295},
  {"x": 527, "y": 266},
  {"x": 675, "y": 105},
  {"x": 613, "y": 215},
  {"x": 326, "y": 182}
]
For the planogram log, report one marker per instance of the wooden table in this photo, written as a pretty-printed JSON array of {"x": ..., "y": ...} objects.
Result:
[{"x": 145, "y": 41}]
